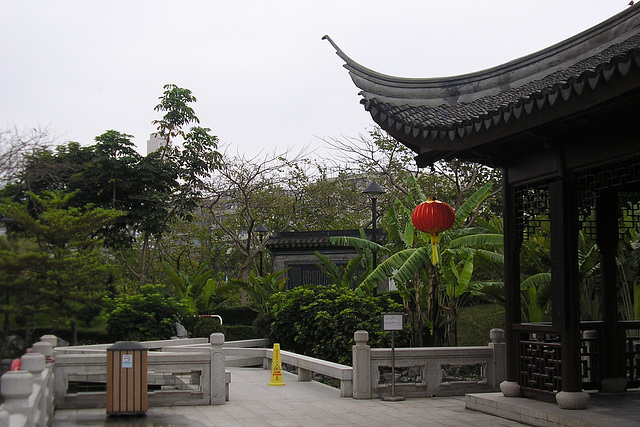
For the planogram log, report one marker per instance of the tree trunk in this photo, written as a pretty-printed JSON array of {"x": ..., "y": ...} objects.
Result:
[
  {"x": 418, "y": 313},
  {"x": 144, "y": 264},
  {"x": 433, "y": 311},
  {"x": 74, "y": 331}
]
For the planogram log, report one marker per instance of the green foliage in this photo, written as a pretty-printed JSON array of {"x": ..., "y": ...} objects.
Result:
[
  {"x": 409, "y": 261},
  {"x": 55, "y": 264},
  {"x": 476, "y": 321},
  {"x": 357, "y": 269},
  {"x": 321, "y": 321},
  {"x": 260, "y": 288},
  {"x": 149, "y": 315},
  {"x": 241, "y": 332},
  {"x": 199, "y": 290},
  {"x": 206, "y": 326},
  {"x": 237, "y": 315}
]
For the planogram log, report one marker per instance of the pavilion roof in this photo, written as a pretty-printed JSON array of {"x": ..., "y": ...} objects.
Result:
[{"x": 438, "y": 117}]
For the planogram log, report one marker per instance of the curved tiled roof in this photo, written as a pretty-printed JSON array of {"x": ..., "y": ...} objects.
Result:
[{"x": 448, "y": 110}]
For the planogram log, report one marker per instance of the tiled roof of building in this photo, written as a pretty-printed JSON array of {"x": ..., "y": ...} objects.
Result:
[
  {"x": 445, "y": 111},
  {"x": 312, "y": 239}
]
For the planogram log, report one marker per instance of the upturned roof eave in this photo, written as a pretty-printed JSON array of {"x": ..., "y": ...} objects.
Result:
[{"x": 466, "y": 87}]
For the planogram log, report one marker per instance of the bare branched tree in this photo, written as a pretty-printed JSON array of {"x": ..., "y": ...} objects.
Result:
[
  {"x": 246, "y": 192},
  {"x": 16, "y": 146}
]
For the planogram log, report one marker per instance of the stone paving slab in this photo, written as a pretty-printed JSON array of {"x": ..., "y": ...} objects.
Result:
[{"x": 254, "y": 403}]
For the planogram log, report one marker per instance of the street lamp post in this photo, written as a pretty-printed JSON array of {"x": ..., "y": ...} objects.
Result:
[
  {"x": 373, "y": 191},
  {"x": 261, "y": 230}
]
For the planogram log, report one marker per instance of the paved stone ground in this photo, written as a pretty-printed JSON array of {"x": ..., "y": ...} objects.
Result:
[{"x": 254, "y": 403}]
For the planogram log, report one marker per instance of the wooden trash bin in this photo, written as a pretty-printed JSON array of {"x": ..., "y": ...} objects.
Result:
[{"x": 126, "y": 378}]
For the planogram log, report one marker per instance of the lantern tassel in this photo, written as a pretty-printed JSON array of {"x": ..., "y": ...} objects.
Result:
[{"x": 434, "y": 254}]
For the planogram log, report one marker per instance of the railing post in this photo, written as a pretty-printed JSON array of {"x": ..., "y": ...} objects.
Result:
[
  {"x": 361, "y": 366},
  {"x": 35, "y": 363},
  {"x": 218, "y": 384},
  {"x": 45, "y": 348},
  {"x": 17, "y": 387},
  {"x": 499, "y": 358},
  {"x": 51, "y": 339}
]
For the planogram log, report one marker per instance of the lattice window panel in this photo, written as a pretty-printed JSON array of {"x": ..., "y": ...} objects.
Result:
[
  {"x": 628, "y": 211},
  {"x": 532, "y": 207},
  {"x": 541, "y": 365},
  {"x": 591, "y": 182}
]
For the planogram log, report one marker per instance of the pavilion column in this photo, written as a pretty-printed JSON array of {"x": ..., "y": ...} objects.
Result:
[
  {"x": 612, "y": 366},
  {"x": 512, "y": 244},
  {"x": 565, "y": 310}
]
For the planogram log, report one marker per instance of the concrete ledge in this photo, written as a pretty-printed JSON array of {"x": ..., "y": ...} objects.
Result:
[{"x": 537, "y": 413}]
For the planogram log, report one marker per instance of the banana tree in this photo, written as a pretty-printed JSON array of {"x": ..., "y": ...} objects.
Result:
[
  {"x": 260, "y": 288},
  {"x": 198, "y": 290},
  {"x": 409, "y": 260}
]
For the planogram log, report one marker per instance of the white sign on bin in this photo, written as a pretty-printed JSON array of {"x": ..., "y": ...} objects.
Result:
[
  {"x": 392, "y": 321},
  {"x": 127, "y": 361}
]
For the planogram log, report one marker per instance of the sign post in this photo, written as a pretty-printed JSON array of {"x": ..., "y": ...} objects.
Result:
[{"x": 392, "y": 322}]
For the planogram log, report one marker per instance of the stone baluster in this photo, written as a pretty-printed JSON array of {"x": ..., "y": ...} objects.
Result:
[
  {"x": 35, "y": 364},
  {"x": 4, "y": 418},
  {"x": 499, "y": 357},
  {"x": 361, "y": 366},
  {"x": 45, "y": 348},
  {"x": 17, "y": 387},
  {"x": 218, "y": 385}
]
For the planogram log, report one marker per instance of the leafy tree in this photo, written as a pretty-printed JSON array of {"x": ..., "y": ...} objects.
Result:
[
  {"x": 154, "y": 190},
  {"x": 67, "y": 262},
  {"x": 149, "y": 315}
]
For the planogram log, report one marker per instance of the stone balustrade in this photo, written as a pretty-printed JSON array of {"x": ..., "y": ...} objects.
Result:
[
  {"x": 193, "y": 372},
  {"x": 428, "y": 371},
  {"x": 28, "y": 392}
]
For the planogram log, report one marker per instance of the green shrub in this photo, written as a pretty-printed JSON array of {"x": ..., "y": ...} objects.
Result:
[
  {"x": 149, "y": 315},
  {"x": 262, "y": 324},
  {"x": 240, "y": 332},
  {"x": 205, "y": 327},
  {"x": 475, "y": 322},
  {"x": 321, "y": 321},
  {"x": 237, "y": 315}
]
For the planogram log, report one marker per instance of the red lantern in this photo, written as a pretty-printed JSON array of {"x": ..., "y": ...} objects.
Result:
[{"x": 433, "y": 217}]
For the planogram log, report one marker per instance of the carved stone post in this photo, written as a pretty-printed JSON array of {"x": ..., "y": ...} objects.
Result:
[
  {"x": 499, "y": 357},
  {"x": 218, "y": 386},
  {"x": 361, "y": 366},
  {"x": 35, "y": 363},
  {"x": 17, "y": 386}
]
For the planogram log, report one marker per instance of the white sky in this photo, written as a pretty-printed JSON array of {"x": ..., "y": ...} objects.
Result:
[{"x": 263, "y": 77}]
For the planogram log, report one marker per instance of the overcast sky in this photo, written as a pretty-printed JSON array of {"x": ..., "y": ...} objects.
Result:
[{"x": 263, "y": 77}]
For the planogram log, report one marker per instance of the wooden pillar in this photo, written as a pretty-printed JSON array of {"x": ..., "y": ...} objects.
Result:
[
  {"x": 512, "y": 244},
  {"x": 613, "y": 361},
  {"x": 564, "y": 279}
]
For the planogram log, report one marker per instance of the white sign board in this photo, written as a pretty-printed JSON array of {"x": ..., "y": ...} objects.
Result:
[
  {"x": 392, "y": 321},
  {"x": 127, "y": 361}
]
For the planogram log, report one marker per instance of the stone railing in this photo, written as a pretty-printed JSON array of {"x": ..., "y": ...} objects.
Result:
[
  {"x": 27, "y": 393},
  {"x": 428, "y": 371},
  {"x": 305, "y": 366},
  {"x": 420, "y": 372},
  {"x": 179, "y": 372}
]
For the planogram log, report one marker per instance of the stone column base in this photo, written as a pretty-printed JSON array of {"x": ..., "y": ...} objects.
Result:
[
  {"x": 573, "y": 400},
  {"x": 510, "y": 389}
]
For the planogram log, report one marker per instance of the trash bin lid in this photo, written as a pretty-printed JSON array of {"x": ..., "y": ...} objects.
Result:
[{"x": 126, "y": 345}]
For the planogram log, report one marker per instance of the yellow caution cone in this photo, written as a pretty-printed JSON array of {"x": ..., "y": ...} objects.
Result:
[{"x": 276, "y": 367}]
